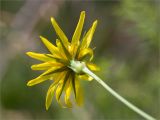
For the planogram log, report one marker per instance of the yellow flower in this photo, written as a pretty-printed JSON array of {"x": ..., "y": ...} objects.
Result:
[{"x": 56, "y": 65}]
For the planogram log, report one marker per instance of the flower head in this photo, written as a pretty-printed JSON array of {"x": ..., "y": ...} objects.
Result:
[{"x": 57, "y": 64}]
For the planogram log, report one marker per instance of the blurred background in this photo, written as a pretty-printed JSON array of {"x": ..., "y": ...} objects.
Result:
[{"x": 126, "y": 45}]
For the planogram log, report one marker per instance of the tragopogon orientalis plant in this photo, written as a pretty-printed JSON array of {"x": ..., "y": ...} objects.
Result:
[{"x": 66, "y": 66}]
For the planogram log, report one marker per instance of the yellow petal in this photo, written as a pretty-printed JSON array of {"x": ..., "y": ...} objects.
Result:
[
  {"x": 92, "y": 66},
  {"x": 60, "y": 85},
  {"x": 85, "y": 77},
  {"x": 73, "y": 50},
  {"x": 58, "y": 92},
  {"x": 59, "y": 32},
  {"x": 88, "y": 37},
  {"x": 53, "y": 70},
  {"x": 73, "y": 77},
  {"x": 38, "y": 56},
  {"x": 79, "y": 93},
  {"x": 37, "y": 80},
  {"x": 85, "y": 52},
  {"x": 68, "y": 93},
  {"x": 53, "y": 49},
  {"x": 46, "y": 75},
  {"x": 61, "y": 49},
  {"x": 50, "y": 94},
  {"x": 77, "y": 33},
  {"x": 45, "y": 66},
  {"x": 58, "y": 76}
]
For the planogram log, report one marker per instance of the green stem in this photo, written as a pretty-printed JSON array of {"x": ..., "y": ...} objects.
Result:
[{"x": 115, "y": 94}]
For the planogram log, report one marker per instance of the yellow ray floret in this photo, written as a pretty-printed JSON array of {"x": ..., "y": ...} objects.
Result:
[
  {"x": 78, "y": 31},
  {"x": 56, "y": 64}
]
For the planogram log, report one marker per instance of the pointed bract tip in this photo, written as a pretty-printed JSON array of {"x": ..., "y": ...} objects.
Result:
[
  {"x": 29, "y": 83},
  {"x": 95, "y": 22},
  {"x": 28, "y": 53},
  {"x": 47, "y": 107},
  {"x": 52, "y": 19},
  {"x": 33, "y": 67},
  {"x": 41, "y": 37},
  {"x": 83, "y": 12}
]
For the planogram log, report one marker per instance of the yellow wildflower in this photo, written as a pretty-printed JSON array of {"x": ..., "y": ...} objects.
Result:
[{"x": 56, "y": 65}]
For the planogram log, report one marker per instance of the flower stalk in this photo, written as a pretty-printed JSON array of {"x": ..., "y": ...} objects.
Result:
[{"x": 80, "y": 66}]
